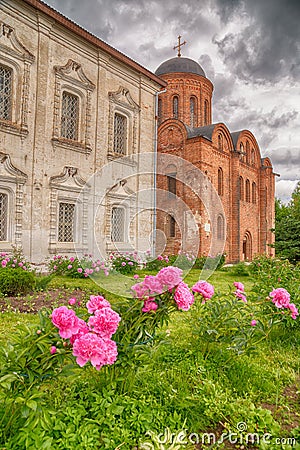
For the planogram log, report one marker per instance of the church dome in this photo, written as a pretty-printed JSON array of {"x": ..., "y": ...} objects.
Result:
[{"x": 179, "y": 64}]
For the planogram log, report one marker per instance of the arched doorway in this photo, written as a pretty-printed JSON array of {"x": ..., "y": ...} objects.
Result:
[{"x": 247, "y": 247}]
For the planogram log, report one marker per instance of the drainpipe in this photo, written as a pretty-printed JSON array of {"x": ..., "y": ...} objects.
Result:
[{"x": 155, "y": 169}]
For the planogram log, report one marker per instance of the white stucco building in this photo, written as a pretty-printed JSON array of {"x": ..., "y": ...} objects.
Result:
[{"x": 71, "y": 109}]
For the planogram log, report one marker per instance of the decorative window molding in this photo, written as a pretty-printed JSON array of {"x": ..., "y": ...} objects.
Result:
[
  {"x": 120, "y": 196},
  {"x": 121, "y": 104},
  {"x": 71, "y": 80},
  {"x": 18, "y": 59},
  {"x": 12, "y": 182},
  {"x": 68, "y": 188}
]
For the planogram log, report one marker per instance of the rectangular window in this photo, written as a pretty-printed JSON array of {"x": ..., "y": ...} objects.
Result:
[
  {"x": 172, "y": 183},
  {"x": 3, "y": 216},
  {"x": 5, "y": 92},
  {"x": 66, "y": 218},
  {"x": 69, "y": 116},
  {"x": 117, "y": 224},
  {"x": 120, "y": 132}
]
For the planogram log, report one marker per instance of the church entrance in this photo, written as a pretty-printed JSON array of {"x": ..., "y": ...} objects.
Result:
[{"x": 247, "y": 247}]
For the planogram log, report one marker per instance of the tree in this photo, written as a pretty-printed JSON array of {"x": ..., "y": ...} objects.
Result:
[{"x": 287, "y": 227}]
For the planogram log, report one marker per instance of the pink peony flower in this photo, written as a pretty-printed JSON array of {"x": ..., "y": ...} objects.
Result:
[
  {"x": 292, "y": 307},
  {"x": 204, "y": 288},
  {"x": 95, "y": 349},
  {"x": 280, "y": 297},
  {"x": 253, "y": 323},
  {"x": 72, "y": 259},
  {"x": 240, "y": 295},
  {"x": 66, "y": 321},
  {"x": 79, "y": 270},
  {"x": 136, "y": 276},
  {"x": 149, "y": 305},
  {"x": 123, "y": 263},
  {"x": 96, "y": 302},
  {"x": 153, "y": 284},
  {"x": 160, "y": 258},
  {"x": 83, "y": 329},
  {"x": 72, "y": 301},
  {"x": 70, "y": 266},
  {"x": 140, "y": 291},
  {"x": 105, "y": 322},
  {"x": 183, "y": 296},
  {"x": 169, "y": 277},
  {"x": 53, "y": 349},
  {"x": 239, "y": 286}
]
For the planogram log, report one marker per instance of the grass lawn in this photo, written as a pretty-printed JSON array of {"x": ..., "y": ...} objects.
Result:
[{"x": 182, "y": 380}]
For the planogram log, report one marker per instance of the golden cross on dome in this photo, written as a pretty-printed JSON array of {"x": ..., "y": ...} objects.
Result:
[{"x": 180, "y": 44}]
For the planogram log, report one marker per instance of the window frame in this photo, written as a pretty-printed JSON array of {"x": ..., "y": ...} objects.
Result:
[
  {"x": 124, "y": 138},
  {"x": 71, "y": 203},
  {"x": 122, "y": 234},
  {"x": 77, "y": 119},
  {"x": 10, "y": 96}
]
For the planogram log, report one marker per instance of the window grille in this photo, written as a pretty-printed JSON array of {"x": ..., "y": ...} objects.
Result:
[
  {"x": 117, "y": 224},
  {"x": 120, "y": 132},
  {"x": 175, "y": 107},
  {"x": 5, "y": 92},
  {"x": 69, "y": 116},
  {"x": 66, "y": 222},
  {"x": 3, "y": 216}
]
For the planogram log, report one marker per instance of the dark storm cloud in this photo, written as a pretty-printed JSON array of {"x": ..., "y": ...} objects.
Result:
[{"x": 268, "y": 47}]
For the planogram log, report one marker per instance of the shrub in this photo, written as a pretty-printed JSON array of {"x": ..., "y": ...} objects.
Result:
[
  {"x": 16, "y": 281},
  {"x": 75, "y": 267},
  {"x": 124, "y": 263}
]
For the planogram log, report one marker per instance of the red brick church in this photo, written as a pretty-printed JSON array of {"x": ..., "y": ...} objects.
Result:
[{"x": 243, "y": 181}]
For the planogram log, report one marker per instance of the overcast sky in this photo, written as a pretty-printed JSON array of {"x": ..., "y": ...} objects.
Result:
[{"x": 249, "y": 49}]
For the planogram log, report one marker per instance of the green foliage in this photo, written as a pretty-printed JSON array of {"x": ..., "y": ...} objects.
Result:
[
  {"x": 287, "y": 227},
  {"x": 16, "y": 281},
  {"x": 240, "y": 269},
  {"x": 27, "y": 369},
  {"x": 272, "y": 273}
]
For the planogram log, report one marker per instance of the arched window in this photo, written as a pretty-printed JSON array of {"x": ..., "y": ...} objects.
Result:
[
  {"x": 253, "y": 192},
  {"x": 220, "y": 142},
  {"x": 117, "y": 224},
  {"x": 220, "y": 181},
  {"x": 172, "y": 226},
  {"x": 220, "y": 227},
  {"x": 247, "y": 190},
  {"x": 242, "y": 157},
  {"x": 175, "y": 107},
  {"x": 205, "y": 112},
  {"x": 252, "y": 157},
  {"x": 171, "y": 177},
  {"x": 69, "y": 116},
  {"x": 193, "y": 112},
  {"x": 247, "y": 152},
  {"x": 5, "y": 93},
  {"x": 241, "y": 188},
  {"x": 159, "y": 111}
]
